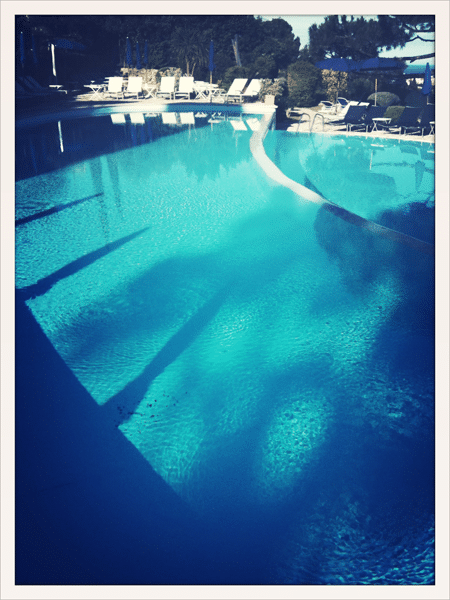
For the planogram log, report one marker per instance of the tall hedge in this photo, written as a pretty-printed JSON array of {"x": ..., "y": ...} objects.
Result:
[{"x": 304, "y": 84}]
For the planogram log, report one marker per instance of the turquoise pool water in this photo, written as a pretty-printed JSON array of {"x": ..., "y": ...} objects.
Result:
[{"x": 272, "y": 362}]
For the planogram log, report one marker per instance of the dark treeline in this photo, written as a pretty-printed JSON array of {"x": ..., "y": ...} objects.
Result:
[{"x": 265, "y": 47}]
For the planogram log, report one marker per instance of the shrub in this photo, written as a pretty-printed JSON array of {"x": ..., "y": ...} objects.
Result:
[
  {"x": 393, "y": 112},
  {"x": 384, "y": 98},
  {"x": 277, "y": 88},
  {"x": 304, "y": 84}
]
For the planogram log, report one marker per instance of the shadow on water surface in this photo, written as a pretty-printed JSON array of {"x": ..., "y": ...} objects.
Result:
[
  {"x": 46, "y": 283},
  {"x": 133, "y": 393},
  {"x": 55, "y": 209},
  {"x": 90, "y": 509}
]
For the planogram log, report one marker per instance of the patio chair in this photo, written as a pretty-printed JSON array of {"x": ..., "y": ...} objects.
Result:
[
  {"x": 342, "y": 103},
  {"x": 327, "y": 107},
  {"x": 252, "y": 90},
  {"x": 185, "y": 88},
  {"x": 407, "y": 120},
  {"x": 235, "y": 90},
  {"x": 115, "y": 85},
  {"x": 134, "y": 86},
  {"x": 374, "y": 112},
  {"x": 427, "y": 119},
  {"x": 353, "y": 116},
  {"x": 167, "y": 88}
]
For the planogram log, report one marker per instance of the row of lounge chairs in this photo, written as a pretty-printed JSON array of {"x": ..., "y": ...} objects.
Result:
[
  {"x": 238, "y": 91},
  {"x": 411, "y": 120},
  {"x": 356, "y": 116}
]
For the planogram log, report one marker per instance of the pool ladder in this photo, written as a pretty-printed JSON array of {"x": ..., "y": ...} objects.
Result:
[
  {"x": 300, "y": 119},
  {"x": 313, "y": 121}
]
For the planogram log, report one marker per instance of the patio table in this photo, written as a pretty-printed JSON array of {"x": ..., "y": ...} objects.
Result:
[
  {"x": 380, "y": 120},
  {"x": 150, "y": 90},
  {"x": 97, "y": 89}
]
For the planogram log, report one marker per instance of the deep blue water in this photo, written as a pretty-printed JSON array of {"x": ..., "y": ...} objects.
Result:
[{"x": 217, "y": 382}]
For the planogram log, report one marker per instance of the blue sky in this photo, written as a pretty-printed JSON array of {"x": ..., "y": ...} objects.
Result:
[{"x": 301, "y": 23}]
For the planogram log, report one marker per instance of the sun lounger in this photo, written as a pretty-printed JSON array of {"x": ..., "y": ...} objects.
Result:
[
  {"x": 252, "y": 90},
  {"x": 374, "y": 112},
  {"x": 353, "y": 116},
  {"x": 185, "y": 88},
  {"x": 115, "y": 85},
  {"x": 134, "y": 87},
  {"x": 407, "y": 120},
  {"x": 235, "y": 91},
  {"x": 327, "y": 107},
  {"x": 427, "y": 119},
  {"x": 167, "y": 88}
]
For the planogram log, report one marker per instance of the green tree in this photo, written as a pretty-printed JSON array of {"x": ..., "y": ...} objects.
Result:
[
  {"x": 344, "y": 37},
  {"x": 304, "y": 84},
  {"x": 399, "y": 30},
  {"x": 190, "y": 46},
  {"x": 361, "y": 38}
]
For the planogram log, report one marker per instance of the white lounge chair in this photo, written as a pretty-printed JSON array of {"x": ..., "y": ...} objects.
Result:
[
  {"x": 252, "y": 90},
  {"x": 235, "y": 91},
  {"x": 325, "y": 106},
  {"x": 167, "y": 88},
  {"x": 185, "y": 87},
  {"x": 115, "y": 85},
  {"x": 134, "y": 86}
]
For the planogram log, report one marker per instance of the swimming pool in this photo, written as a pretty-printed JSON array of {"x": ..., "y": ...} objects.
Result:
[{"x": 272, "y": 362}]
